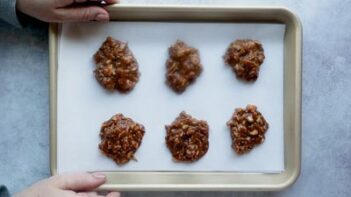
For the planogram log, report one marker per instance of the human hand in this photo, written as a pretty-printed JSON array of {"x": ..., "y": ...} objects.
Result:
[
  {"x": 65, "y": 10},
  {"x": 70, "y": 185}
]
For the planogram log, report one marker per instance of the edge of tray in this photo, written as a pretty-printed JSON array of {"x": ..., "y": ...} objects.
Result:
[
  {"x": 201, "y": 181},
  {"x": 53, "y": 40}
]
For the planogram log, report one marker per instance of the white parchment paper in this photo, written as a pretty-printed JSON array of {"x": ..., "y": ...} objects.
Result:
[{"x": 83, "y": 104}]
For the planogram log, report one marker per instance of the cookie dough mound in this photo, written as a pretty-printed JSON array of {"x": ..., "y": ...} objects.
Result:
[
  {"x": 116, "y": 67},
  {"x": 187, "y": 138},
  {"x": 120, "y": 138},
  {"x": 245, "y": 57},
  {"x": 183, "y": 66},
  {"x": 247, "y": 129}
]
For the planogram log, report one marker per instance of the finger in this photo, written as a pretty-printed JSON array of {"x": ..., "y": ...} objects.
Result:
[
  {"x": 107, "y": 1},
  {"x": 67, "y": 193},
  {"x": 96, "y": 1},
  {"x": 88, "y": 194},
  {"x": 64, "y": 3},
  {"x": 79, "y": 1},
  {"x": 88, "y": 13},
  {"x": 114, "y": 194},
  {"x": 80, "y": 181},
  {"x": 111, "y": 1}
]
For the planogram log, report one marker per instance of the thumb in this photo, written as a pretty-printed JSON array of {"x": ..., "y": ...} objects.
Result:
[
  {"x": 80, "y": 181},
  {"x": 87, "y": 13}
]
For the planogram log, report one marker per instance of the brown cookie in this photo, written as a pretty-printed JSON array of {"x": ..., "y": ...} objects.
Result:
[
  {"x": 245, "y": 57},
  {"x": 120, "y": 138},
  {"x": 247, "y": 129},
  {"x": 116, "y": 67},
  {"x": 187, "y": 138},
  {"x": 183, "y": 66}
]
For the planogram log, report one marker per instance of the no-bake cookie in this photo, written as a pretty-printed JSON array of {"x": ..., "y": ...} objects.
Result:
[
  {"x": 116, "y": 67},
  {"x": 247, "y": 129},
  {"x": 187, "y": 138},
  {"x": 120, "y": 138},
  {"x": 183, "y": 66},
  {"x": 245, "y": 57}
]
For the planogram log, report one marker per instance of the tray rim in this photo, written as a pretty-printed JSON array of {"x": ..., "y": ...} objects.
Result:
[{"x": 287, "y": 178}]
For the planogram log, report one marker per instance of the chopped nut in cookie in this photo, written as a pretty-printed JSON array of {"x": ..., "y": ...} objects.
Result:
[
  {"x": 183, "y": 66},
  {"x": 245, "y": 57},
  {"x": 120, "y": 138},
  {"x": 247, "y": 129},
  {"x": 116, "y": 67},
  {"x": 187, "y": 138}
]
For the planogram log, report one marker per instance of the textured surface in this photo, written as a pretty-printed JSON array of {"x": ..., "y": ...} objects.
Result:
[{"x": 326, "y": 123}]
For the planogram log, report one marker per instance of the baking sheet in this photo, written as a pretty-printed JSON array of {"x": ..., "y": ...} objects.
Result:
[{"x": 83, "y": 104}]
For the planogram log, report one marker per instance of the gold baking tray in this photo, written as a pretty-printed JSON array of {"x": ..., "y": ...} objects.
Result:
[{"x": 214, "y": 181}]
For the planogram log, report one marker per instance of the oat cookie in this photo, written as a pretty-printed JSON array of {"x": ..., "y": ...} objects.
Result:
[
  {"x": 245, "y": 57},
  {"x": 187, "y": 138},
  {"x": 116, "y": 67},
  {"x": 247, "y": 129},
  {"x": 120, "y": 138},
  {"x": 183, "y": 66}
]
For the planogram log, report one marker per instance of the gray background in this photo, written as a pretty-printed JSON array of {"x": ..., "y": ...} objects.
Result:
[{"x": 326, "y": 118}]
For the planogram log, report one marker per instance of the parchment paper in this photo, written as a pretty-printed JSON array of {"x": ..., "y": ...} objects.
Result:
[{"x": 83, "y": 105}]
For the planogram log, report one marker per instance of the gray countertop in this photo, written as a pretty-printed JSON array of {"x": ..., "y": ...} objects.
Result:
[{"x": 326, "y": 117}]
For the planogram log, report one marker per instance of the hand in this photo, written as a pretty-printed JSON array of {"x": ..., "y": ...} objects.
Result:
[
  {"x": 71, "y": 185},
  {"x": 65, "y": 10}
]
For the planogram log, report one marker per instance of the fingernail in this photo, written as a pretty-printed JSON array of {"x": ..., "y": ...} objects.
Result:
[
  {"x": 101, "y": 17},
  {"x": 98, "y": 175}
]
